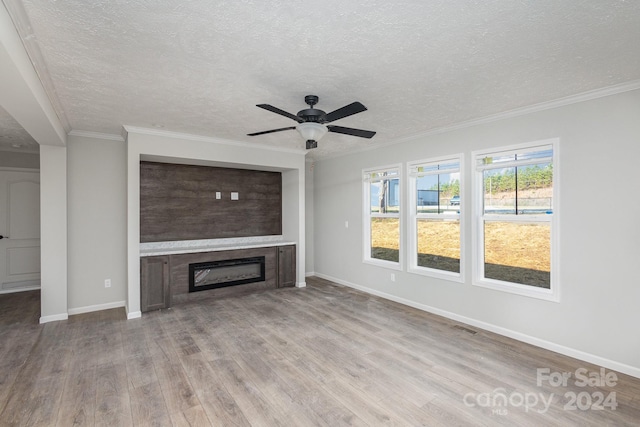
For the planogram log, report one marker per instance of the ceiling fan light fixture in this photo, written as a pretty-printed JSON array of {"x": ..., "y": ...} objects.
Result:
[
  {"x": 311, "y": 121},
  {"x": 311, "y": 131}
]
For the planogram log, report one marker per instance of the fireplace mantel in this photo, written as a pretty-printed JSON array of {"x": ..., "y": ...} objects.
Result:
[{"x": 210, "y": 245}]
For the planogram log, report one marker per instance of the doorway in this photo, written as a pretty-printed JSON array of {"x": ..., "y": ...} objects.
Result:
[{"x": 20, "y": 229}]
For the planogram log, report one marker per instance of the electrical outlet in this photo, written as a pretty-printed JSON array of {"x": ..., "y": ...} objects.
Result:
[
  {"x": 107, "y": 283},
  {"x": 393, "y": 277},
  {"x": 346, "y": 224}
]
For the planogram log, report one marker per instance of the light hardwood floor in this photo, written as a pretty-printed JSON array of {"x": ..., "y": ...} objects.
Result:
[{"x": 323, "y": 355}]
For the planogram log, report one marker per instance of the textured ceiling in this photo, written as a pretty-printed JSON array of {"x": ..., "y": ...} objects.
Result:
[
  {"x": 13, "y": 137},
  {"x": 200, "y": 66}
]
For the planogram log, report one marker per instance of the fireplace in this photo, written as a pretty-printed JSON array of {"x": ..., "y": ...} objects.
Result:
[{"x": 231, "y": 272}]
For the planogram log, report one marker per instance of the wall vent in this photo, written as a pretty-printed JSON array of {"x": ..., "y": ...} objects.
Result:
[{"x": 462, "y": 328}]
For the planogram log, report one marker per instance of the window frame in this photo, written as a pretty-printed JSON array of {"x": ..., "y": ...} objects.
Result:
[
  {"x": 368, "y": 215},
  {"x": 414, "y": 217},
  {"x": 479, "y": 279}
]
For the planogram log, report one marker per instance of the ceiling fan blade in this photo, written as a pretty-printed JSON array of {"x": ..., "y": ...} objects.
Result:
[
  {"x": 350, "y": 131},
  {"x": 270, "y": 131},
  {"x": 279, "y": 111},
  {"x": 345, "y": 111}
]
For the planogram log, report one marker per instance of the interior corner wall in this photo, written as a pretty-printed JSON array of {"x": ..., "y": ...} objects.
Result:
[
  {"x": 96, "y": 171},
  {"x": 53, "y": 233},
  {"x": 309, "y": 212},
  {"x": 293, "y": 217},
  {"x": 597, "y": 316}
]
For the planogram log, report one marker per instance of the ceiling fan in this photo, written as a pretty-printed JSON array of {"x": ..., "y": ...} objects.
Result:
[{"x": 311, "y": 121}]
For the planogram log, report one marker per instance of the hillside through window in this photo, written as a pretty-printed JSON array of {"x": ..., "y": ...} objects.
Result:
[{"x": 435, "y": 235}]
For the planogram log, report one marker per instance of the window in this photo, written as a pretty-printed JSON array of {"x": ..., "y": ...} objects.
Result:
[
  {"x": 434, "y": 226},
  {"x": 516, "y": 217},
  {"x": 382, "y": 200}
]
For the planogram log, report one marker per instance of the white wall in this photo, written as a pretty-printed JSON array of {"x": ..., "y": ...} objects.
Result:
[
  {"x": 96, "y": 173},
  {"x": 597, "y": 316},
  {"x": 309, "y": 211},
  {"x": 12, "y": 159},
  {"x": 53, "y": 233},
  {"x": 293, "y": 217}
]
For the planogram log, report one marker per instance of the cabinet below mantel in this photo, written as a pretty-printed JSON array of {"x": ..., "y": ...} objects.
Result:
[
  {"x": 154, "y": 283},
  {"x": 286, "y": 266},
  {"x": 164, "y": 279}
]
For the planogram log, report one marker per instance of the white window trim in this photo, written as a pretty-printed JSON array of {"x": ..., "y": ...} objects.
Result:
[
  {"x": 413, "y": 216},
  {"x": 367, "y": 215},
  {"x": 552, "y": 294}
]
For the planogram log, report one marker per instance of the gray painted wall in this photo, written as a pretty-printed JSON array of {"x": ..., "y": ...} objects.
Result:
[
  {"x": 598, "y": 310},
  {"x": 309, "y": 212},
  {"x": 12, "y": 159},
  {"x": 96, "y": 185}
]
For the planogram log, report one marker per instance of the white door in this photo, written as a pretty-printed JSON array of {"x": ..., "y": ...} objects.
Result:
[{"x": 20, "y": 230}]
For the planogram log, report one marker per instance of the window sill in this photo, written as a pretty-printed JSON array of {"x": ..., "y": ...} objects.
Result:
[
  {"x": 514, "y": 288},
  {"x": 382, "y": 263},
  {"x": 438, "y": 274}
]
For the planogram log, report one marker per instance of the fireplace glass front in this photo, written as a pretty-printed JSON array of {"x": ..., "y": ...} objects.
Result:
[{"x": 231, "y": 272}]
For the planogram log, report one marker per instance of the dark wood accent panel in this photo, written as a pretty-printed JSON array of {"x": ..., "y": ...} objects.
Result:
[
  {"x": 178, "y": 202},
  {"x": 286, "y": 266},
  {"x": 154, "y": 283},
  {"x": 180, "y": 273}
]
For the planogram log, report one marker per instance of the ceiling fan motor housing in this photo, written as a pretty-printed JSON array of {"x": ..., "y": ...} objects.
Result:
[{"x": 312, "y": 115}]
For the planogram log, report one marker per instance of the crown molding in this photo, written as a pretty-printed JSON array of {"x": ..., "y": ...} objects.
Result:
[
  {"x": 542, "y": 106},
  {"x": 214, "y": 140},
  {"x": 21, "y": 22},
  {"x": 548, "y": 105}
]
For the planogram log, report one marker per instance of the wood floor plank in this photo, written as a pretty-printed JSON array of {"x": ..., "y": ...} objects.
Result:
[
  {"x": 324, "y": 355},
  {"x": 250, "y": 399},
  {"x": 371, "y": 409},
  {"x": 277, "y": 391},
  {"x": 34, "y": 402},
  {"x": 113, "y": 405},
  {"x": 254, "y": 370},
  {"x": 140, "y": 371},
  {"x": 191, "y": 417},
  {"x": 148, "y": 406},
  {"x": 178, "y": 392},
  {"x": 78, "y": 402},
  {"x": 216, "y": 401}
]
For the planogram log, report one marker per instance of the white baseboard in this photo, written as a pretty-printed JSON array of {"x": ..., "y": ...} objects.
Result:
[
  {"x": 15, "y": 290},
  {"x": 97, "y": 307},
  {"x": 301, "y": 284},
  {"x": 310, "y": 274},
  {"x": 134, "y": 315},
  {"x": 54, "y": 318},
  {"x": 558, "y": 348}
]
